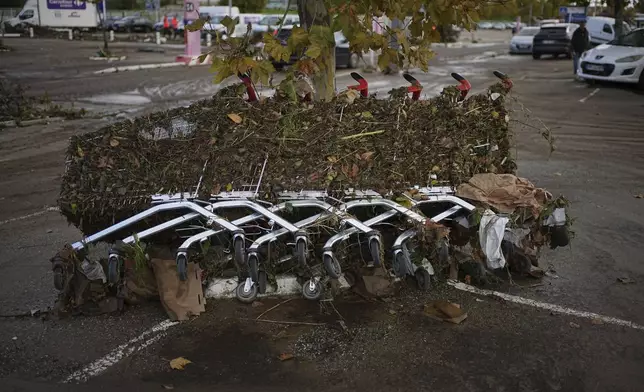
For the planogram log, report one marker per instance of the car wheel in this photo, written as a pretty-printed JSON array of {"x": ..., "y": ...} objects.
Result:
[
  {"x": 354, "y": 59},
  {"x": 536, "y": 56}
]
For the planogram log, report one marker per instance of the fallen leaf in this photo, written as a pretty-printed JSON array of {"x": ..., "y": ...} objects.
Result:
[
  {"x": 168, "y": 386},
  {"x": 80, "y": 152},
  {"x": 574, "y": 325},
  {"x": 179, "y": 363},
  {"x": 354, "y": 171},
  {"x": 625, "y": 280},
  {"x": 285, "y": 357},
  {"x": 236, "y": 118},
  {"x": 392, "y": 312},
  {"x": 597, "y": 321},
  {"x": 639, "y": 196},
  {"x": 367, "y": 155},
  {"x": 257, "y": 304},
  {"x": 114, "y": 143},
  {"x": 366, "y": 115}
]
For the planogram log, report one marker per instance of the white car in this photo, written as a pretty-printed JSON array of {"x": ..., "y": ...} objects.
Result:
[
  {"x": 621, "y": 60},
  {"x": 522, "y": 41}
]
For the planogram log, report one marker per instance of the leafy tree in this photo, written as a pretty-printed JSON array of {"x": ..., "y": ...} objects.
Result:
[
  {"x": 314, "y": 44},
  {"x": 247, "y": 6}
]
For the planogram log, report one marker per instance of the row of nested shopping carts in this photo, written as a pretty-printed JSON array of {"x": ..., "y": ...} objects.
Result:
[{"x": 362, "y": 229}]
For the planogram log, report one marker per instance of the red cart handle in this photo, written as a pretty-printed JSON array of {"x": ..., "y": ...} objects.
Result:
[
  {"x": 245, "y": 78},
  {"x": 415, "y": 87},
  {"x": 464, "y": 85},
  {"x": 362, "y": 87},
  {"x": 507, "y": 82}
]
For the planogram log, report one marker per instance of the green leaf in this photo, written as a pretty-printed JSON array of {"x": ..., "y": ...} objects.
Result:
[
  {"x": 222, "y": 70},
  {"x": 314, "y": 51},
  {"x": 298, "y": 38},
  {"x": 366, "y": 115},
  {"x": 196, "y": 25},
  {"x": 230, "y": 23},
  {"x": 262, "y": 72}
]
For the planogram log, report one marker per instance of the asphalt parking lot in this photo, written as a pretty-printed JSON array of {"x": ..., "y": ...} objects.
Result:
[{"x": 544, "y": 342}]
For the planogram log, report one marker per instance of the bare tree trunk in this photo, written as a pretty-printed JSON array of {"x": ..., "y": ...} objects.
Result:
[
  {"x": 101, "y": 20},
  {"x": 314, "y": 13}
]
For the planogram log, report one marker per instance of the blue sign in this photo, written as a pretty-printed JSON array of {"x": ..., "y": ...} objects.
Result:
[
  {"x": 573, "y": 14},
  {"x": 152, "y": 4},
  {"x": 66, "y": 5}
]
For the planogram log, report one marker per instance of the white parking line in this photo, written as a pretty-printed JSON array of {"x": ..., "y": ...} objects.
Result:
[
  {"x": 46, "y": 210},
  {"x": 547, "y": 306},
  {"x": 125, "y": 350},
  {"x": 589, "y": 95}
]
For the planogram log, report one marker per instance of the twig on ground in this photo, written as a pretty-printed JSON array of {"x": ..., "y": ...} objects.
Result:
[{"x": 279, "y": 304}]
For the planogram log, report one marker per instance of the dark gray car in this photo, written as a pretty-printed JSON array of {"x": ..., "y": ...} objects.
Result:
[{"x": 343, "y": 55}]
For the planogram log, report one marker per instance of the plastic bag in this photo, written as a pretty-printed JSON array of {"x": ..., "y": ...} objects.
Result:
[{"x": 491, "y": 231}]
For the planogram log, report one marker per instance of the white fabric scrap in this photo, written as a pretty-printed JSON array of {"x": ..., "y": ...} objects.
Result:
[
  {"x": 491, "y": 231},
  {"x": 557, "y": 218}
]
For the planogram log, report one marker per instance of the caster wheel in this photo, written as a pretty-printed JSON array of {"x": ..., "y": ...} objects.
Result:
[
  {"x": 398, "y": 263},
  {"x": 240, "y": 251},
  {"x": 300, "y": 251},
  {"x": 423, "y": 279},
  {"x": 374, "y": 248},
  {"x": 253, "y": 268},
  {"x": 246, "y": 297},
  {"x": 113, "y": 269},
  {"x": 443, "y": 253},
  {"x": 351, "y": 278},
  {"x": 182, "y": 268},
  {"x": 262, "y": 280},
  {"x": 332, "y": 266},
  {"x": 312, "y": 290},
  {"x": 59, "y": 279}
]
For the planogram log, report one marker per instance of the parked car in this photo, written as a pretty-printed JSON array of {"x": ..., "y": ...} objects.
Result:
[
  {"x": 554, "y": 39},
  {"x": 601, "y": 29},
  {"x": 108, "y": 23},
  {"x": 485, "y": 25},
  {"x": 521, "y": 43},
  {"x": 499, "y": 26},
  {"x": 131, "y": 24},
  {"x": 271, "y": 22},
  {"x": 343, "y": 55},
  {"x": 621, "y": 60}
]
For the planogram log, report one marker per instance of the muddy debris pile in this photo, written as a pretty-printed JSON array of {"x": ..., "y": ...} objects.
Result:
[{"x": 223, "y": 143}]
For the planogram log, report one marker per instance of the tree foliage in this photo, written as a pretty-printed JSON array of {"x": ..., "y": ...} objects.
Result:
[
  {"x": 247, "y": 6},
  {"x": 313, "y": 43}
]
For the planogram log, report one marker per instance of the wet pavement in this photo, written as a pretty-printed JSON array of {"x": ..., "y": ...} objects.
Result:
[{"x": 598, "y": 164}]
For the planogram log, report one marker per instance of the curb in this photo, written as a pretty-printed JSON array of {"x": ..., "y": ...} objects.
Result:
[
  {"x": 113, "y": 58},
  {"x": 26, "y": 123},
  {"x": 137, "y": 67},
  {"x": 194, "y": 60}
]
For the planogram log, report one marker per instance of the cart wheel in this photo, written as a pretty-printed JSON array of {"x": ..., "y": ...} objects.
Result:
[
  {"x": 59, "y": 279},
  {"x": 398, "y": 264},
  {"x": 423, "y": 279},
  {"x": 253, "y": 268},
  {"x": 246, "y": 297},
  {"x": 351, "y": 278},
  {"x": 240, "y": 251},
  {"x": 374, "y": 248},
  {"x": 182, "y": 268},
  {"x": 262, "y": 280},
  {"x": 300, "y": 251},
  {"x": 113, "y": 269},
  {"x": 312, "y": 290},
  {"x": 443, "y": 253},
  {"x": 332, "y": 266}
]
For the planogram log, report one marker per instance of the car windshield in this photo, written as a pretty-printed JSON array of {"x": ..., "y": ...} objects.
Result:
[
  {"x": 528, "y": 32},
  {"x": 215, "y": 18},
  {"x": 634, "y": 38},
  {"x": 269, "y": 20}
]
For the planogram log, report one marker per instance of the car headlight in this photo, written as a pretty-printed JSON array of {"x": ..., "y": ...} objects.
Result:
[
  {"x": 630, "y": 59},
  {"x": 583, "y": 55}
]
